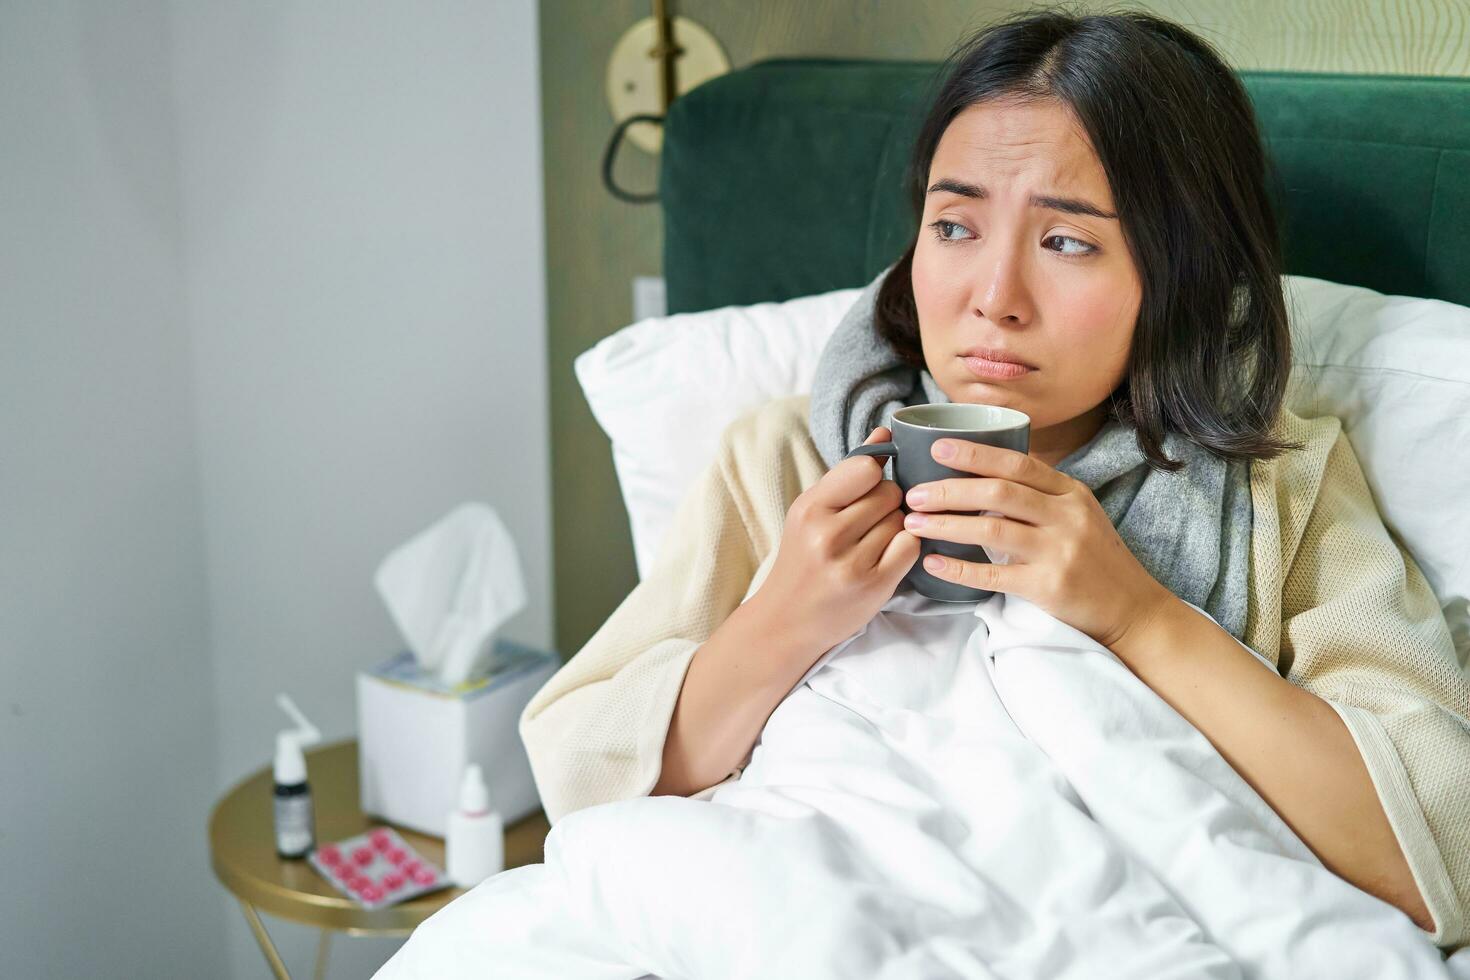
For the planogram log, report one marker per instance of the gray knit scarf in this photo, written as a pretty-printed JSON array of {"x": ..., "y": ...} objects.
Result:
[{"x": 1190, "y": 529}]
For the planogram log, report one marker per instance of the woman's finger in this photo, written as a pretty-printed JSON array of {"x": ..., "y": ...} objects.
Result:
[
  {"x": 883, "y": 499},
  {"x": 851, "y": 477},
  {"x": 1008, "y": 464},
  {"x": 972, "y": 494},
  {"x": 900, "y": 555},
  {"x": 873, "y": 545},
  {"x": 979, "y": 575},
  {"x": 999, "y": 534}
]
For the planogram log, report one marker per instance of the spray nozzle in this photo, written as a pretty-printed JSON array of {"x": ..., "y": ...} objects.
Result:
[
  {"x": 474, "y": 798},
  {"x": 290, "y": 766}
]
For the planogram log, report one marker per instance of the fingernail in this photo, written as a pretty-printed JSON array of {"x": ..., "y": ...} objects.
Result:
[
  {"x": 915, "y": 520},
  {"x": 943, "y": 449},
  {"x": 918, "y": 497},
  {"x": 933, "y": 563}
]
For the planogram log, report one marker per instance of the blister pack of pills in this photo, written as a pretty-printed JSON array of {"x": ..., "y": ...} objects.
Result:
[{"x": 377, "y": 868}]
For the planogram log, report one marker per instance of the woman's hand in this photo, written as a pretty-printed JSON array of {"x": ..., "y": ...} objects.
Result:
[
  {"x": 1064, "y": 553},
  {"x": 843, "y": 552}
]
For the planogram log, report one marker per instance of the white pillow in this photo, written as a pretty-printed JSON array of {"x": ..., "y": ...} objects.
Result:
[
  {"x": 1394, "y": 369},
  {"x": 664, "y": 388}
]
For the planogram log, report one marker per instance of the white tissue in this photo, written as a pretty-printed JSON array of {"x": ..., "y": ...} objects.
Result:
[{"x": 450, "y": 587}]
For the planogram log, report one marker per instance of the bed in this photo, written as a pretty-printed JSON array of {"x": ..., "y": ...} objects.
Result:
[{"x": 781, "y": 181}]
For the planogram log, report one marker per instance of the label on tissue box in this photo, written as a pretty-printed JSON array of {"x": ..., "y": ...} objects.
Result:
[
  {"x": 511, "y": 660},
  {"x": 417, "y": 734}
]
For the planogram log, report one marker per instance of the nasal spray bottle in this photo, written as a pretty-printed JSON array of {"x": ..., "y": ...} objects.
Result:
[
  {"x": 474, "y": 843},
  {"x": 295, "y": 819}
]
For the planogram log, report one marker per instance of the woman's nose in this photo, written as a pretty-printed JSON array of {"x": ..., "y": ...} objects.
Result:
[{"x": 1000, "y": 289}]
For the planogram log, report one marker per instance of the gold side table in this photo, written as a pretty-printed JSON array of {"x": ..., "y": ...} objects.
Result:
[{"x": 242, "y": 850}]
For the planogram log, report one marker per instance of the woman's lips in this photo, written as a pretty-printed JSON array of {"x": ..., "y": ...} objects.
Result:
[{"x": 995, "y": 370}]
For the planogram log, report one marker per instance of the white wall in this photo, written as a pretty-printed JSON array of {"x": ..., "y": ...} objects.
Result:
[
  {"x": 282, "y": 287},
  {"x": 107, "y": 730}
]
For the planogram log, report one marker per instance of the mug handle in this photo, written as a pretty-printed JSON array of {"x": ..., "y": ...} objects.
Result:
[{"x": 887, "y": 449}]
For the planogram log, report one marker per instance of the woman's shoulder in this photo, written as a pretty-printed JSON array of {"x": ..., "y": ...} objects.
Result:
[
  {"x": 774, "y": 438},
  {"x": 1295, "y": 475},
  {"x": 1323, "y": 482},
  {"x": 772, "y": 422},
  {"x": 768, "y": 458},
  {"x": 1319, "y": 485},
  {"x": 1316, "y": 430}
]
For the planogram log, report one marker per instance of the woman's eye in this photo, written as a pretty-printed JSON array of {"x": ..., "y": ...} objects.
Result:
[
  {"x": 1082, "y": 249},
  {"x": 942, "y": 230}
]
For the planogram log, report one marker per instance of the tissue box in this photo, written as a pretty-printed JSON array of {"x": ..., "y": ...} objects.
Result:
[{"x": 415, "y": 736}]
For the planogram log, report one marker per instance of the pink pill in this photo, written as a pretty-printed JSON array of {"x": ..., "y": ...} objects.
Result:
[
  {"x": 329, "y": 854},
  {"x": 396, "y": 855},
  {"x": 392, "y": 881},
  {"x": 363, "y": 855},
  {"x": 423, "y": 876},
  {"x": 380, "y": 840},
  {"x": 371, "y": 893},
  {"x": 409, "y": 867}
]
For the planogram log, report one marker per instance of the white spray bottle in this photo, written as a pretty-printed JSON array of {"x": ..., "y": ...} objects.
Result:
[
  {"x": 474, "y": 842},
  {"x": 294, "y": 816}
]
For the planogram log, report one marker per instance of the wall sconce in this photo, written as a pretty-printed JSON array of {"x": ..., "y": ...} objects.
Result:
[{"x": 654, "y": 62}]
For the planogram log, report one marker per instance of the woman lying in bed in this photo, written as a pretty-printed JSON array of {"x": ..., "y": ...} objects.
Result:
[{"x": 1090, "y": 200}]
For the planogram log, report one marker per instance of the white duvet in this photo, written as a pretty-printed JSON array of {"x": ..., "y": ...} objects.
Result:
[{"x": 956, "y": 791}]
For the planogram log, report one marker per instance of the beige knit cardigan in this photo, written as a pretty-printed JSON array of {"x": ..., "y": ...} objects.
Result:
[{"x": 1334, "y": 602}]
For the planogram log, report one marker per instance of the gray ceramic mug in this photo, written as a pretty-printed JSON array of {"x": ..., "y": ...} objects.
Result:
[{"x": 914, "y": 430}]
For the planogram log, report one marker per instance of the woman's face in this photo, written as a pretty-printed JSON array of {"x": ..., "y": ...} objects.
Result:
[{"x": 1020, "y": 250}]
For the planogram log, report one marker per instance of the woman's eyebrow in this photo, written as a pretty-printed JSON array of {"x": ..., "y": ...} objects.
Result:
[{"x": 1067, "y": 205}]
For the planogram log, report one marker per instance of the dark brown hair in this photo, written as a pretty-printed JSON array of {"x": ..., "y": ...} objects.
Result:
[{"x": 1176, "y": 134}]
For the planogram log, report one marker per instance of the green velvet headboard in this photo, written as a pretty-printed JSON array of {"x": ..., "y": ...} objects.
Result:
[{"x": 782, "y": 179}]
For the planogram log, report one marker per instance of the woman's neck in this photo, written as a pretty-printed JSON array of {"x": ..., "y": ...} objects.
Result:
[{"x": 1056, "y": 442}]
